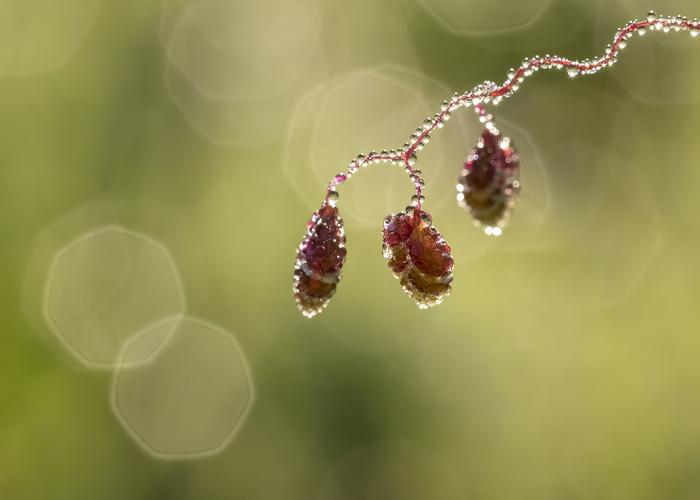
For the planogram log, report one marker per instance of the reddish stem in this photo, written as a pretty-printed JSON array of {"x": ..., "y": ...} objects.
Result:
[{"x": 489, "y": 92}]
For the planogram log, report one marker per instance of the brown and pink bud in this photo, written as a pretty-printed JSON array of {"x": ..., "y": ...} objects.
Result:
[
  {"x": 419, "y": 257},
  {"x": 319, "y": 261}
]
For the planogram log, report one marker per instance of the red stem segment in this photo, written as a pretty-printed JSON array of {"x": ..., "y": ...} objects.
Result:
[{"x": 489, "y": 92}]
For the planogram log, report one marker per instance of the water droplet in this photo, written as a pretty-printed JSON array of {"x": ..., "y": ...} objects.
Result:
[{"x": 415, "y": 199}]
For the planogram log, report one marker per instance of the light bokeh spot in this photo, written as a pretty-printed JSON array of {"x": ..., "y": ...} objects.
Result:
[
  {"x": 473, "y": 17},
  {"x": 368, "y": 110},
  {"x": 39, "y": 261},
  {"x": 105, "y": 287},
  {"x": 194, "y": 395},
  {"x": 601, "y": 256},
  {"x": 235, "y": 68}
]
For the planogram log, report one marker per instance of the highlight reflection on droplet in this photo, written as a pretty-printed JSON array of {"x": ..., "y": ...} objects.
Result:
[
  {"x": 105, "y": 287},
  {"x": 188, "y": 401}
]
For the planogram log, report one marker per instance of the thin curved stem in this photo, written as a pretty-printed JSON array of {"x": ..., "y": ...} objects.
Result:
[{"x": 492, "y": 93}]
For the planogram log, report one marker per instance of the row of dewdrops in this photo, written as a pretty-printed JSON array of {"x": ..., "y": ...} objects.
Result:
[{"x": 482, "y": 94}]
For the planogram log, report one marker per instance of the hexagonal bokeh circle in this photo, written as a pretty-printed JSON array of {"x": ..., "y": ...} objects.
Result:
[
  {"x": 105, "y": 287},
  {"x": 472, "y": 17},
  {"x": 191, "y": 398},
  {"x": 600, "y": 259},
  {"x": 366, "y": 110},
  {"x": 212, "y": 42},
  {"x": 41, "y": 35},
  {"x": 236, "y": 68}
]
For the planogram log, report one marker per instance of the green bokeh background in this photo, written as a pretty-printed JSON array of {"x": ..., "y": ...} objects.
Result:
[{"x": 563, "y": 365}]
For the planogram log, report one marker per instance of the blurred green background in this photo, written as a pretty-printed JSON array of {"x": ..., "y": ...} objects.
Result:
[{"x": 563, "y": 365}]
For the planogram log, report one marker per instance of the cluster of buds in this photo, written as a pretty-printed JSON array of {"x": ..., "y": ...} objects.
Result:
[{"x": 488, "y": 185}]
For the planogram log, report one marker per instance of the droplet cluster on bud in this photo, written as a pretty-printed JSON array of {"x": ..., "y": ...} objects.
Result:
[
  {"x": 488, "y": 187},
  {"x": 418, "y": 256},
  {"x": 319, "y": 261}
]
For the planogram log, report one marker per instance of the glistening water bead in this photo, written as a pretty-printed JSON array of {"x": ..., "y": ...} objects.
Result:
[{"x": 488, "y": 186}]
